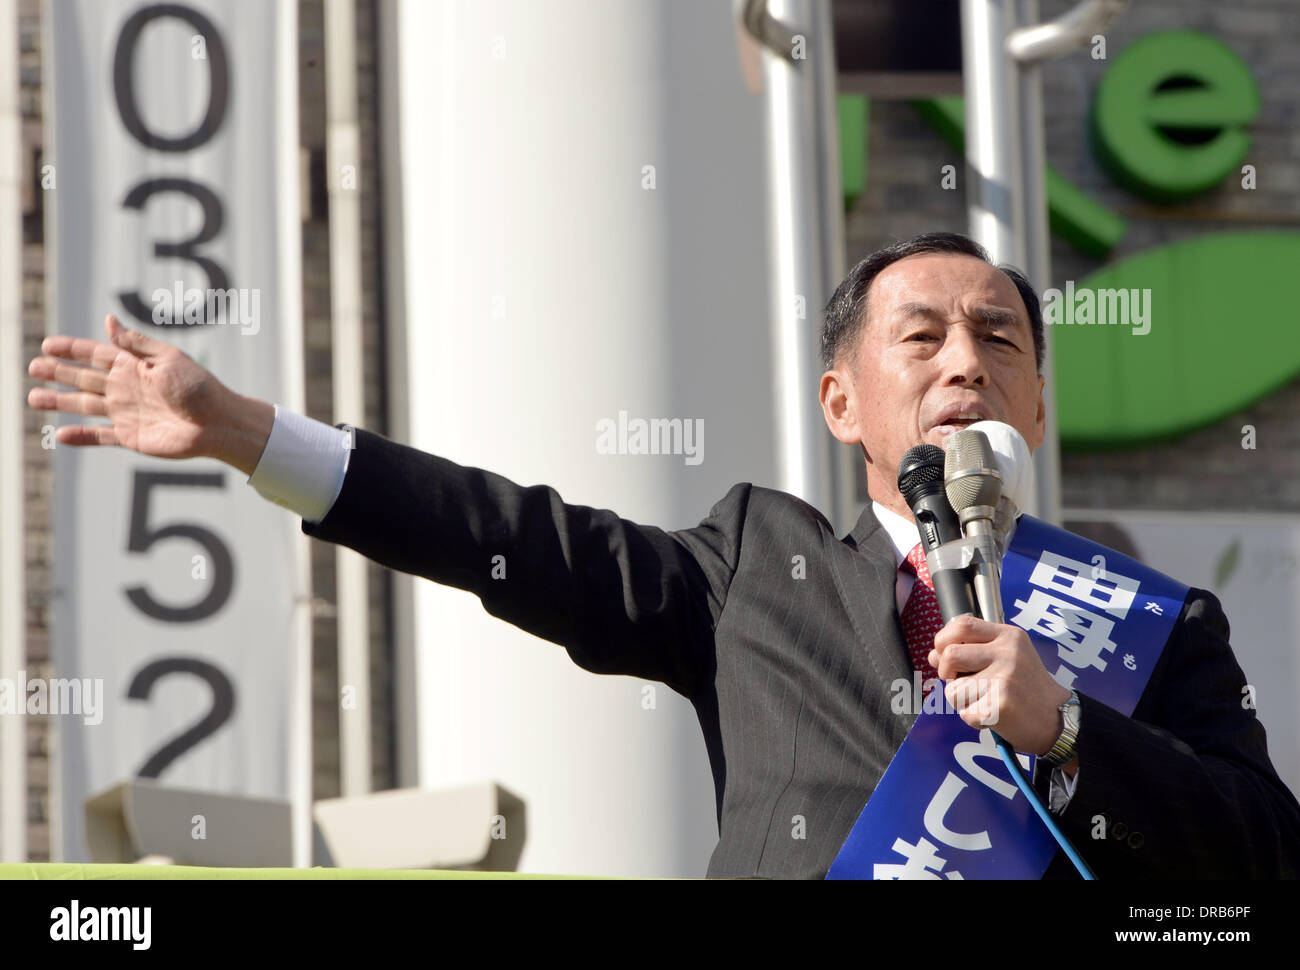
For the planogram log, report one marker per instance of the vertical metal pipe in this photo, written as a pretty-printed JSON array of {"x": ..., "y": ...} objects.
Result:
[
  {"x": 1038, "y": 259},
  {"x": 994, "y": 198},
  {"x": 392, "y": 298},
  {"x": 801, "y": 233},
  {"x": 844, "y": 507},
  {"x": 13, "y": 748},
  {"x": 1006, "y": 197},
  {"x": 343, "y": 164},
  {"x": 289, "y": 228}
]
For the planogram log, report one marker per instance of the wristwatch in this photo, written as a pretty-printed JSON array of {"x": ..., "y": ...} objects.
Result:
[{"x": 1063, "y": 750}]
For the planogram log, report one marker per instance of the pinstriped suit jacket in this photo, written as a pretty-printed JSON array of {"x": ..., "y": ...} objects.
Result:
[{"x": 790, "y": 672}]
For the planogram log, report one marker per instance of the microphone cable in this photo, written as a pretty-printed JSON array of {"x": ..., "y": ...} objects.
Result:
[
  {"x": 1018, "y": 773},
  {"x": 972, "y": 482}
]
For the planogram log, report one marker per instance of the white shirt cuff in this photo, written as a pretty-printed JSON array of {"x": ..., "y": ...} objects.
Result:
[{"x": 303, "y": 464}]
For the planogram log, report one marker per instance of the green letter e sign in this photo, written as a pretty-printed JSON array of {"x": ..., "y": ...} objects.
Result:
[{"x": 1169, "y": 116}]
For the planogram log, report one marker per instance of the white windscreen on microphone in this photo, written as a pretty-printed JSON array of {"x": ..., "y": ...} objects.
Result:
[{"x": 1014, "y": 462}]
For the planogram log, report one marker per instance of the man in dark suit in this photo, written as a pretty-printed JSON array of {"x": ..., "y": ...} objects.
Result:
[{"x": 791, "y": 672}]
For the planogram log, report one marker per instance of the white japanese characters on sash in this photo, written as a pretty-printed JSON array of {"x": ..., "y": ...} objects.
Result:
[
  {"x": 922, "y": 859},
  {"x": 1073, "y": 606}
]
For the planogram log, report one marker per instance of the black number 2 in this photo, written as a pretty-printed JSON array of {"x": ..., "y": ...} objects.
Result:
[{"x": 223, "y": 705}]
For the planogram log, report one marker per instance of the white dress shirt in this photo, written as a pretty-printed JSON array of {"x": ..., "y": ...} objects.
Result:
[{"x": 304, "y": 461}]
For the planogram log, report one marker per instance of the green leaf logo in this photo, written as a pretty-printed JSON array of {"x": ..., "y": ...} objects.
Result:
[
  {"x": 1223, "y": 320},
  {"x": 1227, "y": 564}
]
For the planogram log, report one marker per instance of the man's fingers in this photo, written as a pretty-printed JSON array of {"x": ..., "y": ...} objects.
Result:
[
  {"x": 961, "y": 658},
  {"x": 98, "y": 354},
  {"x": 132, "y": 340},
  {"x": 73, "y": 402},
  {"x": 966, "y": 629},
  {"x": 963, "y": 691},
  {"x": 83, "y": 350},
  {"x": 83, "y": 378},
  {"x": 80, "y": 434},
  {"x": 979, "y": 700}
]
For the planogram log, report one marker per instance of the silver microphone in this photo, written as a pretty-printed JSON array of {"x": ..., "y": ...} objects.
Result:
[
  {"x": 1017, "y": 468},
  {"x": 974, "y": 485}
]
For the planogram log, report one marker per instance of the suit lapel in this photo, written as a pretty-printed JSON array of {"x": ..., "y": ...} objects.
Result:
[{"x": 865, "y": 577}]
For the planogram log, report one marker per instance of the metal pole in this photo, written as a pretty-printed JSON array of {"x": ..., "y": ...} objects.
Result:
[
  {"x": 392, "y": 297},
  {"x": 1027, "y": 47},
  {"x": 13, "y": 728},
  {"x": 799, "y": 54},
  {"x": 994, "y": 194},
  {"x": 844, "y": 461},
  {"x": 343, "y": 161},
  {"x": 1038, "y": 262},
  {"x": 1006, "y": 194},
  {"x": 289, "y": 246}
]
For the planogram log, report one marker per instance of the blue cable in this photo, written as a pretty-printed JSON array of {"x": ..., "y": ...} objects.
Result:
[{"x": 1018, "y": 773}]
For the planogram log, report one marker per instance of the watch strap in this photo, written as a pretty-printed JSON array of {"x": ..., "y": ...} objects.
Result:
[{"x": 1063, "y": 750}]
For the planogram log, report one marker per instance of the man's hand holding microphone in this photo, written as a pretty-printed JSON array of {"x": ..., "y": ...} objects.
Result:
[{"x": 993, "y": 676}]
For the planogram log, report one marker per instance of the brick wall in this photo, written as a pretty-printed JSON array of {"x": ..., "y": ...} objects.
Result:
[{"x": 38, "y": 539}]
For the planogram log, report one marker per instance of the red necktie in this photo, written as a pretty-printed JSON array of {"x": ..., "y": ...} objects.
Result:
[{"x": 921, "y": 619}]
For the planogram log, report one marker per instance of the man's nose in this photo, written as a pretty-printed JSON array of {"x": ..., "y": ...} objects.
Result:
[{"x": 962, "y": 358}]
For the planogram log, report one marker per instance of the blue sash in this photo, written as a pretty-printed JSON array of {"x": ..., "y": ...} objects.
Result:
[{"x": 947, "y": 807}]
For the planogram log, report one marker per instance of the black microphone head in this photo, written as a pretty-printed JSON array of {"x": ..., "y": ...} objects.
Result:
[{"x": 920, "y": 472}]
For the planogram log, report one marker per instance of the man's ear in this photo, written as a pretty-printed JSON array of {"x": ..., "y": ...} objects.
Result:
[
  {"x": 1040, "y": 419},
  {"x": 838, "y": 407}
]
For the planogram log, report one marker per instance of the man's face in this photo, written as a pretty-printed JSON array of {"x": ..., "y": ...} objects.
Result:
[{"x": 947, "y": 342}]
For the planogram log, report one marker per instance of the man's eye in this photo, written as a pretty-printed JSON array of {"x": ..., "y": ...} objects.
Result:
[
  {"x": 922, "y": 335},
  {"x": 1003, "y": 340}
]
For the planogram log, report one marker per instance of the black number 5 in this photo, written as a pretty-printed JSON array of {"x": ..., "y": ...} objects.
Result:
[{"x": 141, "y": 538}]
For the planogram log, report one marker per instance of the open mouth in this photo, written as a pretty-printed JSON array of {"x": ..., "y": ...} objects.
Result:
[{"x": 956, "y": 421}]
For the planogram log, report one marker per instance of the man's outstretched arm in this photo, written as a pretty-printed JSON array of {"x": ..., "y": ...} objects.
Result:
[{"x": 623, "y": 598}]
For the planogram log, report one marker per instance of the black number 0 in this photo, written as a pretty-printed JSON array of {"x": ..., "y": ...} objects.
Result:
[
  {"x": 124, "y": 91},
  {"x": 218, "y": 98}
]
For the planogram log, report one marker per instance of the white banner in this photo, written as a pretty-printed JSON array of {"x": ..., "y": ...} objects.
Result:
[
  {"x": 1251, "y": 562},
  {"x": 181, "y": 595}
]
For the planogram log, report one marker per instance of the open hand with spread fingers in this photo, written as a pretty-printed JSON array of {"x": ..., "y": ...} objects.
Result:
[{"x": 157, "y": 400}]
